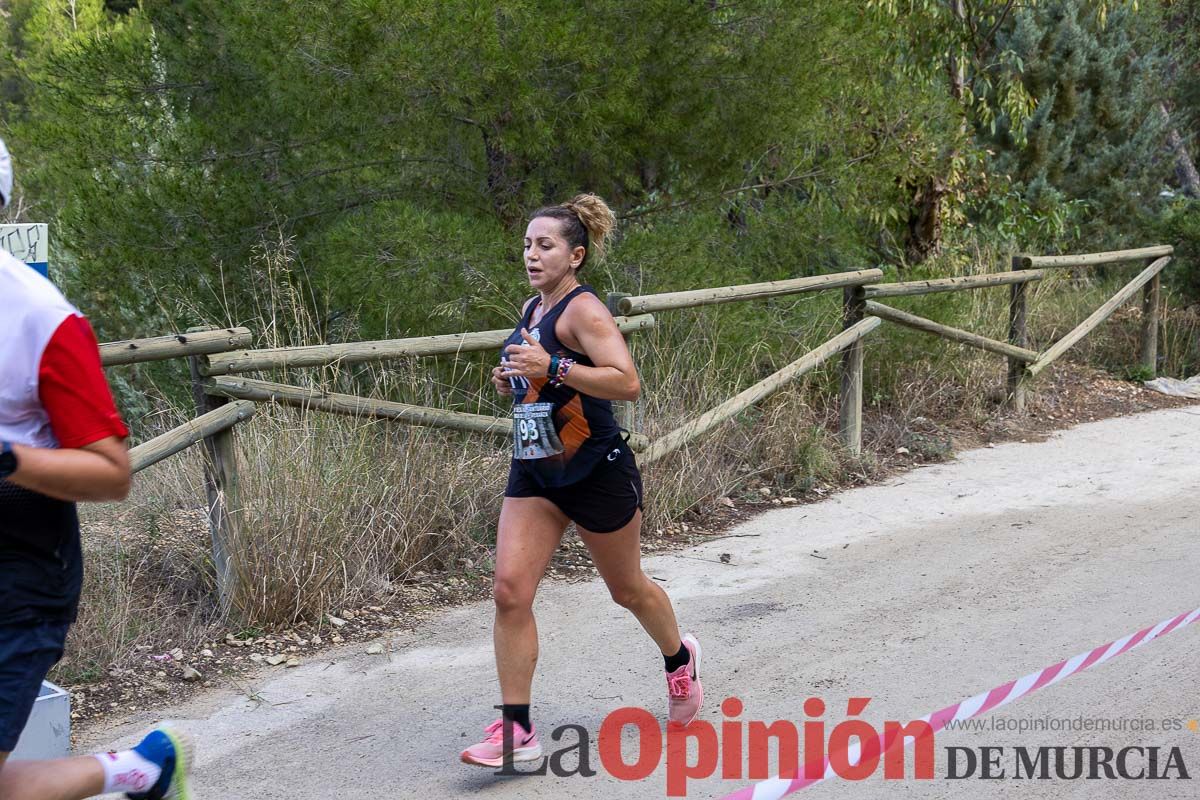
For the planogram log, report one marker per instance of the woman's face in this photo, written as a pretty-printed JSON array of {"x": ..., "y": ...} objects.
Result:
[{"x": 548, "y": 258}]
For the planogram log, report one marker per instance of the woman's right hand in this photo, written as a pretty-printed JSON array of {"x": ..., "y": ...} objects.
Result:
[{"x": 502, "y": 385}]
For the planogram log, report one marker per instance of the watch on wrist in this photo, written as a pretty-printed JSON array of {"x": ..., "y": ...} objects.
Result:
[{"x": 8, "y": 460}]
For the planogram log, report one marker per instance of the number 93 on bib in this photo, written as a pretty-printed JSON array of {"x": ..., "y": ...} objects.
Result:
[{"x": 533, "y": 432}]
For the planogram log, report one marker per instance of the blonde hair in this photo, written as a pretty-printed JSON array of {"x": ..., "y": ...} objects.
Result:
[{"x": 587, "y": 222}]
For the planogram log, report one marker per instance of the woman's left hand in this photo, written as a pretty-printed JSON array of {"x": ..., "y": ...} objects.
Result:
[{"x": 529, "y": 360}]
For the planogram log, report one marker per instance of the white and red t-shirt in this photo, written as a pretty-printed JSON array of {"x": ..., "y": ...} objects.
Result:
[
  {"x": 52, "y": 389},
  {"x": 53, "y": 394}
]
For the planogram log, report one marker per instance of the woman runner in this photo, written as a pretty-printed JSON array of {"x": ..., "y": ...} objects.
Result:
[{"x": 563, "y": 365}]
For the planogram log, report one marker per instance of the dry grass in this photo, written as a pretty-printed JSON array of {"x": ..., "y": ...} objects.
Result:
[
  {"x": 336, "y": 510},
  {"x": 147, "y": 580},
  {"x": 1115, "y": 345}
]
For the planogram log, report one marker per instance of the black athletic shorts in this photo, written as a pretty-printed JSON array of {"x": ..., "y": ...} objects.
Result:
[
  {"x": 603, "y": 502},
  {"x": 27, "y": 652}
]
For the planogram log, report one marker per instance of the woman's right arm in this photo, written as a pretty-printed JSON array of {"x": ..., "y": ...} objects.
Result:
[{"x": 502, "y": 384}]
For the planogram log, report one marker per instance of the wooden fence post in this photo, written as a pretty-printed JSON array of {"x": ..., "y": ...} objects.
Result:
[
  {"x": 1150, "y": 320},
  {"x": 624, "y": 411},
  {"x": 850, "y": 403},
  {"x": 1018, "y": 336},
  {"x": 220, "y": 485}
]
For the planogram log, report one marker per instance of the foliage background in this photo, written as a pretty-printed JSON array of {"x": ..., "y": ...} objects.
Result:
[{"x": 398, "y": 145}]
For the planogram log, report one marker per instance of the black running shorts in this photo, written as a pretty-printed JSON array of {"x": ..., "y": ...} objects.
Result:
[
  {"x": 27, "y": 652},
  {"x": 603, "y": 502}
]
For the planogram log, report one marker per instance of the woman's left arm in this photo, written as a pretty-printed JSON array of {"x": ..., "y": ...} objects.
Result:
[{"x": 614, "y": 377}]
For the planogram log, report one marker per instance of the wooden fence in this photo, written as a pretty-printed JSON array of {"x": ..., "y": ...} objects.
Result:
[
  {"x": 223, "y": 398},
  {"x": 1025, "y": 364}
]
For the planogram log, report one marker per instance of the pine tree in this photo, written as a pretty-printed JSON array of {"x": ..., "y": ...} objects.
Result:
[
  {"x": 1094, "y": 138},
  {"x": 398, "y": 143},
  {"x": 953, "y": 46}
]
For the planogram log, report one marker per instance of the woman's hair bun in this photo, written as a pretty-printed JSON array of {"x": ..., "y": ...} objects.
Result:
[{"x": 597, "y": 217}]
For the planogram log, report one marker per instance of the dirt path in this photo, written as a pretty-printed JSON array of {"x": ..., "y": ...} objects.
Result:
[{"x": 944, "y": 582}]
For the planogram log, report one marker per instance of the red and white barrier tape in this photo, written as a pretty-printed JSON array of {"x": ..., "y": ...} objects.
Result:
[{"x": 980, "y": 704}]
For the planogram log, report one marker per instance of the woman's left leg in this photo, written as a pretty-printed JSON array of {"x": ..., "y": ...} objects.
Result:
[{"x": 618, "y": 559}]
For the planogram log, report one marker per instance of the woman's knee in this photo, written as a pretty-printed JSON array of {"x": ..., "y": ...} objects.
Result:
[
  {"x": 512, "y": 593},
  {"x": 631, "y": 595}
]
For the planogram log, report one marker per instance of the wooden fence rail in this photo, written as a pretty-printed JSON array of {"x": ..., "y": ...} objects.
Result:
[
  {"x": 953, "y": 334},
  {"x": 355, "y": 406},
  {"x": 181, "y": 438},
  {"x": 758, "y": 392},
  {"x": 1094, "y": 259},
  {"x": 1099, "y": 315},
  {"x": 136, "y": 351},
  {"x": 910, "y": 288},
  {"x": 749, "y": 291},
  {"x": 322, "y": 355}
]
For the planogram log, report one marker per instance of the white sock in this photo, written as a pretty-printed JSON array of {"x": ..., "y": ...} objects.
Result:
[{"x": 127, "y": 771}]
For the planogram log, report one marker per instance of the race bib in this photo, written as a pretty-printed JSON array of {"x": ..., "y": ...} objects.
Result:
[{"x": 533, "y": 431}]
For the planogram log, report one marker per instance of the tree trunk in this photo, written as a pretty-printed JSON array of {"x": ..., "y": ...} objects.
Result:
[
  {"x": 1178, "y": 24},
  {"x": 504, "y": 183},
  {"x": 1185, "y": 167},
  {"x": 924, "y": 237}
]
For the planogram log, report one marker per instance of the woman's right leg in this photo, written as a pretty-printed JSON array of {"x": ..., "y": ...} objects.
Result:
[{"x": 529, "y": 532}]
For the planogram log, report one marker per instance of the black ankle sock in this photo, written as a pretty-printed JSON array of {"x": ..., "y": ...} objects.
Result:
[
  {"x": 678, "y": 660},
  {"x": 517, "y": 713}
]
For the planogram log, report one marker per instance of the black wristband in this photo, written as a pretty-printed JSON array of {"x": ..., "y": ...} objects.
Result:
[{"x": 8, "y": 460}]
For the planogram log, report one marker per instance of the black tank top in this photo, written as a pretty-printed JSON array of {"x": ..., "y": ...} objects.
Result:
[{"x": 559, "y": 434}]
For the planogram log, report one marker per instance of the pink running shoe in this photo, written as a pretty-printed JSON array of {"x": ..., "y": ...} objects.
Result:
[
  {"x": 490, "y": 752},
  {"x": 685, "y": 695}
]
